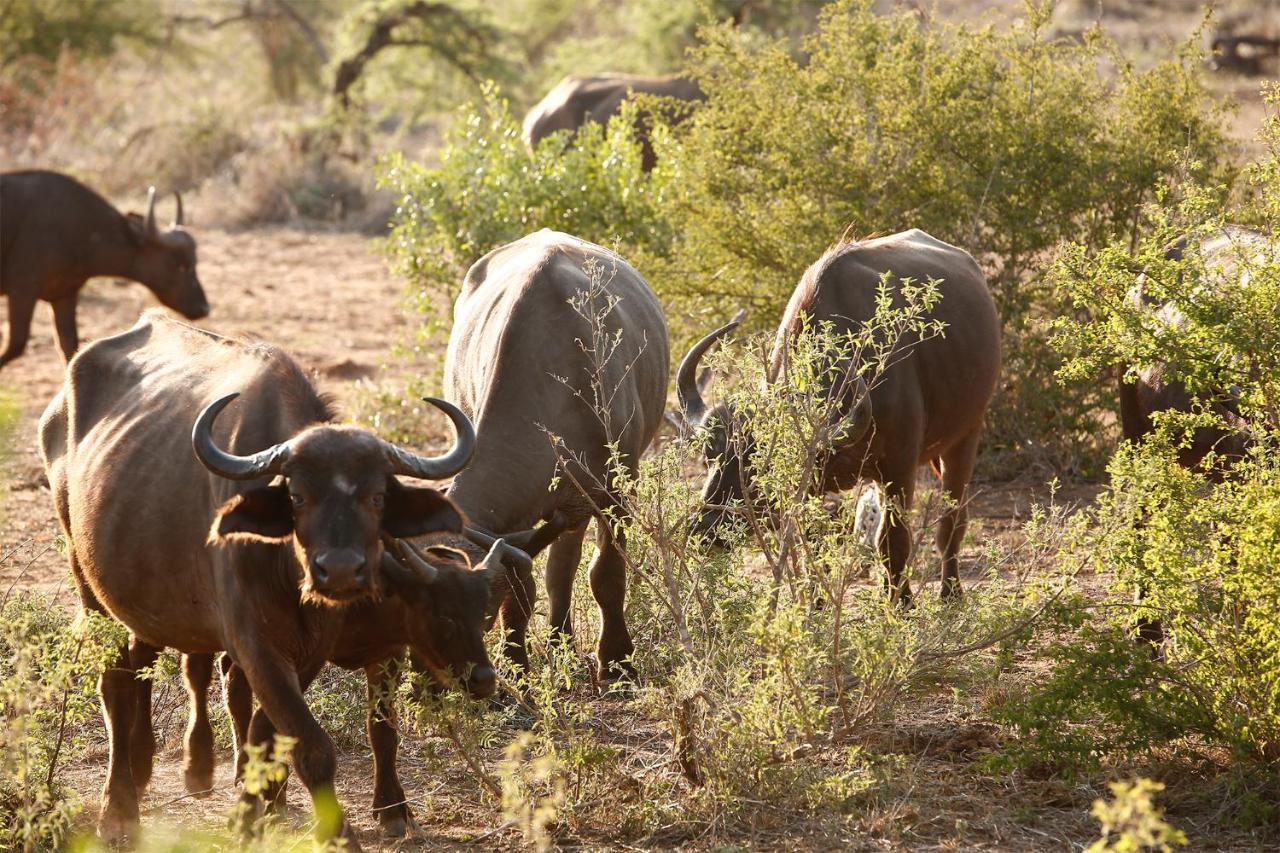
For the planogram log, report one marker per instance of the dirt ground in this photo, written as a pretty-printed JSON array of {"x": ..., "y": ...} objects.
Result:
[{"x": 328, "y": 298}]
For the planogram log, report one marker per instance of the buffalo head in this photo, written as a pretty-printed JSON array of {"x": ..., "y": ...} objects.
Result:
[
  {"x": 728, "y": 443},
  {"x": 336, "y": 497},
  {"x": 448, "y": 609},
  {"x": 165, "y": 261}
]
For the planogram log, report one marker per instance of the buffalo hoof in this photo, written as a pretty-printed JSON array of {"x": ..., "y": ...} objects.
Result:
[
  {"x": 116, "y": 826},
  {"x": 347, "y": 834},
  {"x": 400, "y": 825},
  {"x": 198, "y": 781},
  {"x": 617, "y": 676}
]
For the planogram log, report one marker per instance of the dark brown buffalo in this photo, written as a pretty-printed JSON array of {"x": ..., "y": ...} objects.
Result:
[
  {"x": 1146, "y": 389},
  {"x": 374, "y": 637},
  {"x": 597, "y": 98},
  {"x": 928, "y": 406},
  {"x": 257, "y": 554},
  {"x": 56, "y": 233},
  {"x": 525, "y": 363}
]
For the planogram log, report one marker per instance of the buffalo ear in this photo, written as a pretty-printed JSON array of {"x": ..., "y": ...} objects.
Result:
[
  {"x": 136, "y": 228},
  {"x": 418, "y": 510},
  {"x": 264, "y": 513}
]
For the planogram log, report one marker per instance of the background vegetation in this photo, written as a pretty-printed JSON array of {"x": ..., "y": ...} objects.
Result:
[{"x": 780, "y": 699}]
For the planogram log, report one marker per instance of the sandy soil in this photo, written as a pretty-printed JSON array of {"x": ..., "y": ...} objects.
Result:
[{"x": 328, "y": 298}]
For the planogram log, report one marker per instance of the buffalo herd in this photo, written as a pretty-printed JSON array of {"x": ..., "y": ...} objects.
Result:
[{"x": 212, "y": 505}]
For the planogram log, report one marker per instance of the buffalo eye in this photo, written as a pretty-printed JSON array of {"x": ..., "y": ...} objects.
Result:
[
  {"x": 379, "y": 500},
  {"x": 297, "y": 500}
]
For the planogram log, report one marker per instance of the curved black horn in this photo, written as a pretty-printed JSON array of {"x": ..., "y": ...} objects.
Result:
[
  {"x": 688, "y": 395},
  {"x": 177, "y": 196},
  {"x": 228, "y": 465},
  {"x": 437, "y": 467},
  {"x": 512, "y": 556},
  {"x": 424, "y": 571},
  {"x": 152, "y": 231}
]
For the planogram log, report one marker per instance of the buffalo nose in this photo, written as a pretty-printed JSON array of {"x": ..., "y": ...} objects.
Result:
[
  {"x": 339, "y": 570},
  {"x": 482, "y": 682}
]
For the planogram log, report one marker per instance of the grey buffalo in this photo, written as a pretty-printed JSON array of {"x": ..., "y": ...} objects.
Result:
[
  {"x": 538, "y": 351},
  {"x": 597, "y": 98},
  {"x": 927, "y": 406}
]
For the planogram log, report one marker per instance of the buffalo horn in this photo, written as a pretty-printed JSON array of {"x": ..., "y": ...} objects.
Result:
[
  {"x": 492, "y": 561},
  {"x": 857, "y": 422},
  {"x": 152, "y": 231},
  {"x": 424, "y": 571},
  {"x": 228, "y": 465},
  {"x": 437, "y": 467},
  {"x": 511, "y": 556},
  {"x": 177, "y": 196},
  {"x": 688, "y": 394}
]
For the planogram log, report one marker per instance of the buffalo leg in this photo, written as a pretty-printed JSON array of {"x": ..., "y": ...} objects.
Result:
[
  {"x": 197, "y": 763},
  {"x": 239, "y": 699},
  {"x": 282, "y": 708},
  {"x": 609, "y": 587},
  {"x": 895, "y": 538},
  {"x": 21, "y": 308},
  {"x": 562, "y": 568},
  {"x": 516, "y": 610},
  {"x": 388, "y": 796},
  {"x": 64, "y": 324},
  {"x": 142, "y": 738},
  {"x": 957, "y": 469},
  {"x": 118, "y": 687}
]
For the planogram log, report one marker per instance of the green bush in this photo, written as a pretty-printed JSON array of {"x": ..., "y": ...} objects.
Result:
[
  {"x": 1004, "y": 142},
  {"x": 48, "y": 690},
  {"x": 1204, "y": 550},
  {"x": 488, "y": 191},
  {"x": 40, "y": 29}
]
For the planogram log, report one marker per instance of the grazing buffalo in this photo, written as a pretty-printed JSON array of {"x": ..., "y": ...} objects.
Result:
[
  {"x": 927, "y": 406},
  {"x": 1146, "y": 390},
  {"x": 56, "y": 233},
  {"x": 554, "y": 337},
  {"x": 256, "y": 543},
  {"x": 577, "y": 100}
]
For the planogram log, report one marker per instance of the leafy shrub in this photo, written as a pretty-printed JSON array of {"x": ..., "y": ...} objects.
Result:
[
  {"x": 48, "y": 689},
  {"x": 1004, "y": 142},
  {"x": 43, "y": 28},
  {"x": 1132, "y": 823},
  {"x": 487, "y": 191},
  {"x": 1202, "y": 549}
]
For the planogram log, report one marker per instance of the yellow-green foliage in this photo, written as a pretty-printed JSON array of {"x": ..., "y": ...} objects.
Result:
[
  {"x": 1201, "y": 544},
  {"x": 1005, "y": 142},
  {"x": 1131, "y": 823},
  {"x": 40, "y": 29},
  {"x": 48, "y": 680}
]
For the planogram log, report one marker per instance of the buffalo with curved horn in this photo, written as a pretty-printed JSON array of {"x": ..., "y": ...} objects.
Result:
[
  {"x": 927, "y": 406},
  {"x": 258, "y": 543},
  {"x": 56, "y": 234}
]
